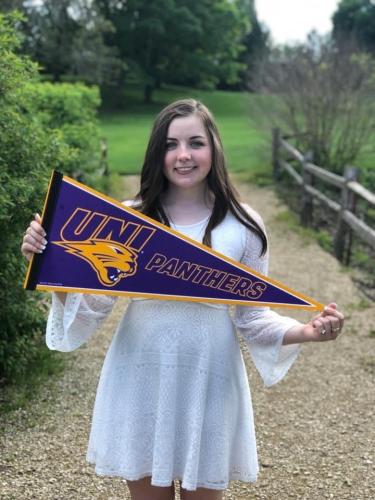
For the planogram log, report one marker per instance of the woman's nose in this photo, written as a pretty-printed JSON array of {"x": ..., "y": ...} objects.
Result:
[{"x": 184, "y": 153}]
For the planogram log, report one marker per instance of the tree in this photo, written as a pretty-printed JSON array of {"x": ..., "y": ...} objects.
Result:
[
  {"x": 177, "y": 41},
  {"x": 217, "y": 44},
  {"x": 51, "y": 35},
  {"x": 66, "y": 37},
  {"x": 256, "y": 47},
  {"x": 355, "y": 19},
  {"x": 164, "y": 41},
  {"x": 325, "y": 98},
  {"x": 10, "y": 5}
]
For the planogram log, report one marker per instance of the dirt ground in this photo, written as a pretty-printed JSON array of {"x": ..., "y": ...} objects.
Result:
[{"x": 315, "y": 429}]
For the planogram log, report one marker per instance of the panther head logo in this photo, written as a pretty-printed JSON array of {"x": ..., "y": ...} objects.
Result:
[{"x": 112, "y": 261}]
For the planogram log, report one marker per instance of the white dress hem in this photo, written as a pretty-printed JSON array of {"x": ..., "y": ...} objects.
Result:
[{"x": 128, "y": 476}]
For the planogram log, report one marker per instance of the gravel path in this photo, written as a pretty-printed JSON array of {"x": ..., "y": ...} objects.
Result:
[{"x": 315, "y": 429}]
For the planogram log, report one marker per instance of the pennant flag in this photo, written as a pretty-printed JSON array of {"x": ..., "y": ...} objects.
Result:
[{"x": 98, "y": 245}]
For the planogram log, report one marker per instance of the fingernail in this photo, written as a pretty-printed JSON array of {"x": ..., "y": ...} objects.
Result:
[
  {"x": 43, "y": 247},
  {"x": 44, "y": 242}
]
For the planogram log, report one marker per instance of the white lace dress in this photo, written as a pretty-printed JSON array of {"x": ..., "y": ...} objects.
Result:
[{"x": 173, "y": 400}]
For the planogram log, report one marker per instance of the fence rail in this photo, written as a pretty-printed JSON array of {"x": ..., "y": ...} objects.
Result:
[{"x": 351, "y": 190}]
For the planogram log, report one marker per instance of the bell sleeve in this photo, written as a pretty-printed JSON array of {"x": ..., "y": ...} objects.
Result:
[
  {"x": 71, "y": 324},
  {"x": 262, "y": 329}
]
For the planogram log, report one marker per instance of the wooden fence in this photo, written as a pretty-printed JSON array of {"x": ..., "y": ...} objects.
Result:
[{"x": 351, "y": 190}]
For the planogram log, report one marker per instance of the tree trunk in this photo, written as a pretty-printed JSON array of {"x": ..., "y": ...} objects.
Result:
[{"x": 113, "y": 95}]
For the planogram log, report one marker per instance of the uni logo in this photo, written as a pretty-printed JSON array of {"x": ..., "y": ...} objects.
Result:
[{"x": 110, "y": 245}]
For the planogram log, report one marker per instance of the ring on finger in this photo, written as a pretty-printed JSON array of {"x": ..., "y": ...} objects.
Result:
[
  {"x": 323, "y": 331},
  {"x": 336, "y": 329}
]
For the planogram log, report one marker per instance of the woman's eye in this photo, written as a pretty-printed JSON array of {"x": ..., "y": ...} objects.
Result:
[
  {"x": 169, "y": 145},
  {"x": 197, "y": 144}
]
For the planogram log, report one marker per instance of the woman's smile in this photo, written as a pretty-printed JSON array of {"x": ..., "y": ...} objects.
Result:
[{"x": 185, "y": 170}]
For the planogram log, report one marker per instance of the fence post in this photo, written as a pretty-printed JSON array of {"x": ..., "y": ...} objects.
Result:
[
  {"x": 276, "y": 153},
  {"x": 307, "y": 203},
  {"x": 343, "y": 236}
]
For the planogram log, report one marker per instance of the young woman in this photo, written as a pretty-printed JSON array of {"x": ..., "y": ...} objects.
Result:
[{"x": 173, "y": 401}]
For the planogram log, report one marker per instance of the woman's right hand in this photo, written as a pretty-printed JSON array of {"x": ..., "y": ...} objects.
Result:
[{"x": 34, "y": 240}]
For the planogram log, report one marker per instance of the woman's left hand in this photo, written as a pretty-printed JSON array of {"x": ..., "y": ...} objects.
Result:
[{"x": 325, "y": 326}]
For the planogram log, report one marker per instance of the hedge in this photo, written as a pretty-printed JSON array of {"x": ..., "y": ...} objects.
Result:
[{"x": 42, "y": 126}]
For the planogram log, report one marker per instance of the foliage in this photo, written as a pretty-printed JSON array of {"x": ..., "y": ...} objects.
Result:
[
  {"x": 255, "y": 48},
  {"x": 325, "y": 99},
  {"x": 174, "y": 41},
  {"x": 70, "y": 111},
  {"x": 32, "y": 142},
  {"x": 67, "y": 37},
  {"x": 9, "y": 5},
  {"x": 202, "y": 44},
  {"x": 355, "y": 20},
  {"x": 26, "y": 150},
  {"x": 291, "y": 221}
]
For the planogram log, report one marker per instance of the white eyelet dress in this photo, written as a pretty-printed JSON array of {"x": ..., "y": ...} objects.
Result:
[{"x": 173, "y": 400}]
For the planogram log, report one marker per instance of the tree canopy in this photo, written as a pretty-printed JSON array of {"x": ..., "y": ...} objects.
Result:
[
  {"x": 354, "y": 20},
  {"x": 66, "y": 37},
  {"x": 178, "y": 41},
  {"x": 106, "y": 42}
]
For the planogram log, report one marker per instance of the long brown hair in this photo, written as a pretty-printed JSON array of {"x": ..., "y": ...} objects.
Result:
[{"x": 154, "y": 183}]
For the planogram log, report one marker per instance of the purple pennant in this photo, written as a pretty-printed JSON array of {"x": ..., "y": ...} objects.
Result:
[{"x": 98, "y": 245}]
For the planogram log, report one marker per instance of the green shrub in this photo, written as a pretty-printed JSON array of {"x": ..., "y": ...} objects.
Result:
[
  {"x": 70, "y": 111},
  {"x": 41, "y": 127},
  {"x": 25, "y": 152}
]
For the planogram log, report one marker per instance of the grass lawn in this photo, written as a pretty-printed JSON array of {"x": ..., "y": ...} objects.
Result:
[{"x": 247, "y": 148}]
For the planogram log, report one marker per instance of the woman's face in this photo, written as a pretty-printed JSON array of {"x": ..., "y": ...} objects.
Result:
[{"x": 187, "y": 160}]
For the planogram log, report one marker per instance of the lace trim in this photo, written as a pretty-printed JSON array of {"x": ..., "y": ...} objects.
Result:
[
  {"x": 235, "y": 475},
  {"x": 71, "y": 324}
]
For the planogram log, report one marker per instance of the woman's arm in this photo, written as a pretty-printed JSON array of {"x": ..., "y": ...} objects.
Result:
[
  {"x": 73, "y": 323},
  {"x": 272, "y": 339}
]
